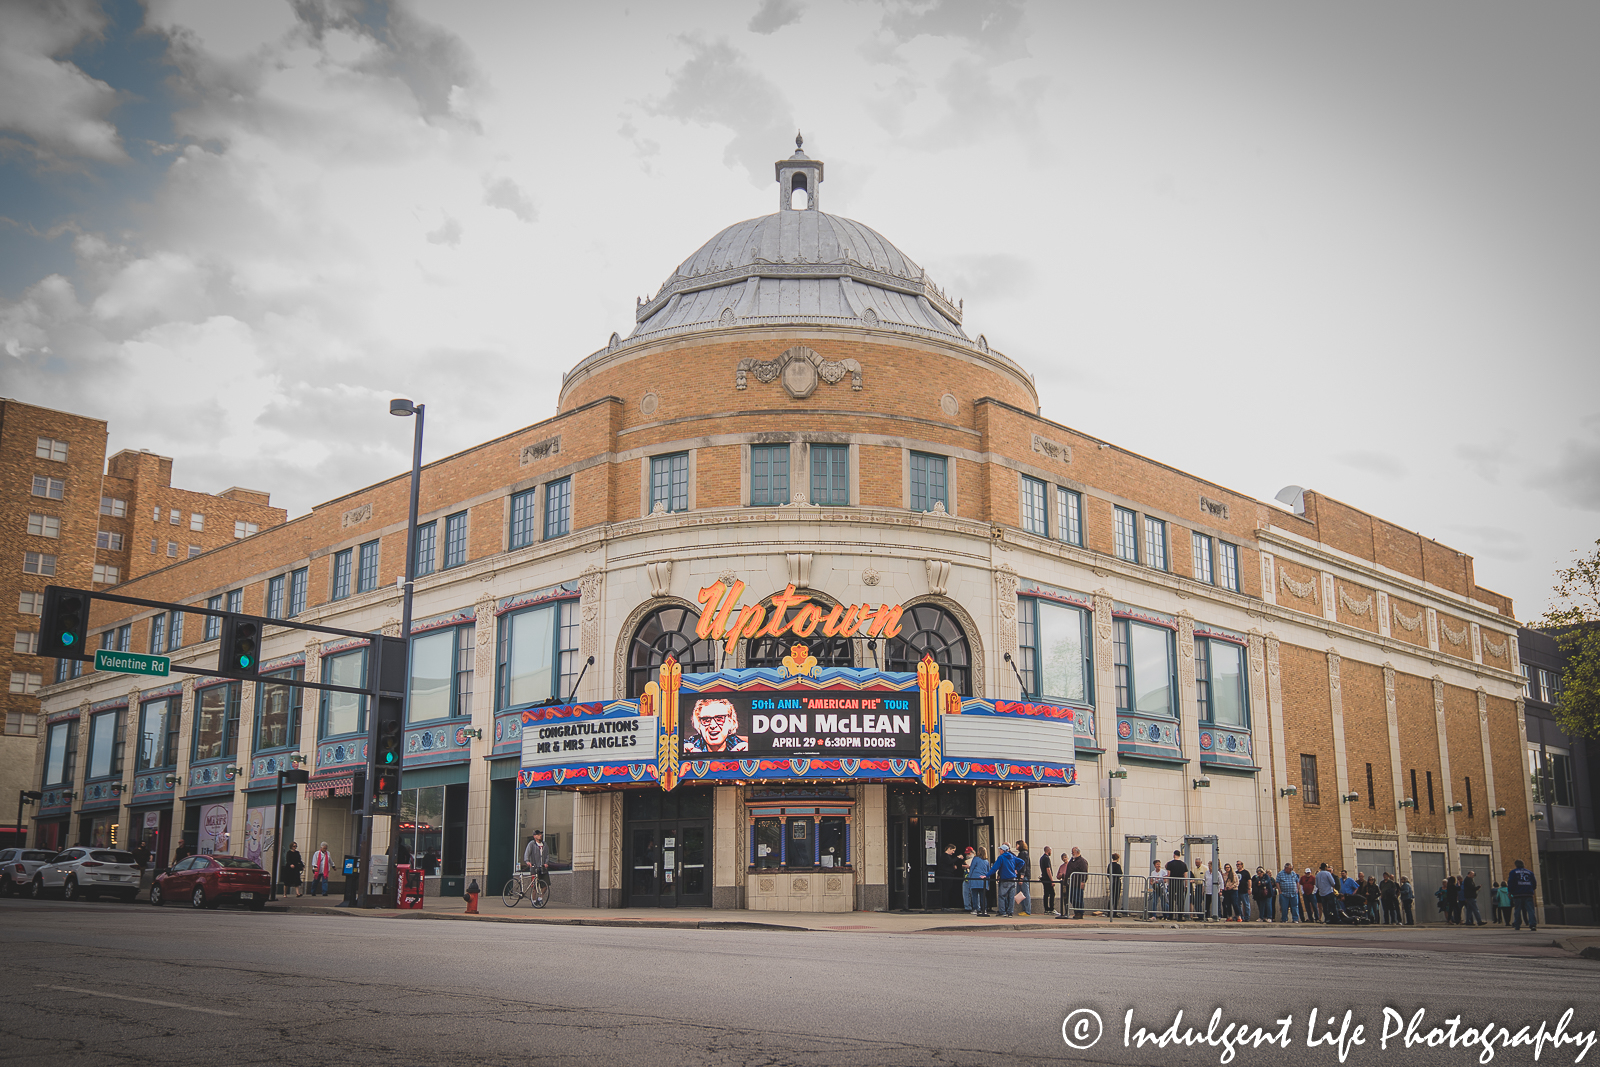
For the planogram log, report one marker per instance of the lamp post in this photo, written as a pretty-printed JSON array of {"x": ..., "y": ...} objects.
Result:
[
  {"x": 402, "y": 408},
  {"x": 25, "y": 796}
]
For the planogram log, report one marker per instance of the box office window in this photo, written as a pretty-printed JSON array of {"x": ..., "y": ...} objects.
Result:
[
  {"x": 769, "y": 474},
  {"x": 799, "y": 842},
  {"x": 538, "y": 653},
  {"x": 1056, "y": 651},
  {"x": 1146, "y": 669},
  {"x": 441, "y": 674},
  {"x": 1219, "y": 681},
  {"x": 278, "y": 710},
  {"x": 930, "y": 483},
  {"x": 61, "y": 753},
  {"x": 344, "y": 713},
  {"x": 216, "y": 722},
  {"x": 158, "y": 734}
]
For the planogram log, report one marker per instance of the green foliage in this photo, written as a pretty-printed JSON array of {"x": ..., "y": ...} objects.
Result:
[{"x": 1576, "y": 618}]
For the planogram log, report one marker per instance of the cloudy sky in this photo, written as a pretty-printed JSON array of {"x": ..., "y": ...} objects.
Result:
[{"x": 1350, "y": 246}]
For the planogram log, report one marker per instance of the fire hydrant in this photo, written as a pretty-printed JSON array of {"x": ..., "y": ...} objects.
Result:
[{"x": 472, "y": 898}]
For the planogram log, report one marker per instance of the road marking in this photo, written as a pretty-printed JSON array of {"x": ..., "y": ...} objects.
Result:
[{"x": 137, "y": 1000}]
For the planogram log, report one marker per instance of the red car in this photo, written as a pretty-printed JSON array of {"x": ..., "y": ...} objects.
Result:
[{"x": 206, "y": 881}]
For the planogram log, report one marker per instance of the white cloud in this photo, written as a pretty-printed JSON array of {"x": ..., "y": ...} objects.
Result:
[
  {"x": 507, "y": 194},
  {"x": 717, "y": 84},
  {"x": 61, "y": 113},
  {"x": 774, "y": 15}
]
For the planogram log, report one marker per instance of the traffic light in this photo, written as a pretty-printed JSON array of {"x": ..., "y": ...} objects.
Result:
[
  {"x": 63, "y": 623},
  {"x": 240, "y": 653},
  {"x": 358, "y": 793},
  {"x": 388, "y": 755}
]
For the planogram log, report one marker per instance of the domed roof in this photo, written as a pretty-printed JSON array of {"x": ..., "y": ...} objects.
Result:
[{"x": 798, "y": 265}]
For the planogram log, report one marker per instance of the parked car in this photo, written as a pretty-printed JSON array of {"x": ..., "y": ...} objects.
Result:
[
  {"x": 17, "y": 866},
  {"x": 206, "y": 881},
  {"x": 83, "y": 872}
]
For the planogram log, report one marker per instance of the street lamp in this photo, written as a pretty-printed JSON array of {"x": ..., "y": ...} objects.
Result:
[{"x": 25, "y": 796}]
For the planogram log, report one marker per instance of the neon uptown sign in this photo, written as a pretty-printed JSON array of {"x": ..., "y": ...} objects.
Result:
[{"x": 720, "y": 602}]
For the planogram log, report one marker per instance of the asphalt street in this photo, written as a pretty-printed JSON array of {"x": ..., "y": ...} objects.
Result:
[{"x": 130, "y": 984}]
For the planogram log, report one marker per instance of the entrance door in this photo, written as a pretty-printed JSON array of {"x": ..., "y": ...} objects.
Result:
[
  {"x": 922, "y": 876},
  {"x": 1427, "y": 871},
  {"x": 669, "y": 864}
]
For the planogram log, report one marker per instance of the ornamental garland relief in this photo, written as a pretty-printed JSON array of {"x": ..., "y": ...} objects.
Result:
[
  {"x": 1410, "y": 622},
  {"x": 1455, "y": 637},
  {"x": 1299, "y": 589},
  {"x": 1360, "y": 607},
  {"x": 799, "y": 369},
  {"x": 1498, "y": 651}
]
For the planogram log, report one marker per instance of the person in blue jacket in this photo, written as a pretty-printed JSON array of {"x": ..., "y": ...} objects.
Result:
[
  {"x": 1522, "y": 883},
  {"x": 977, "y": 879},
  {"x": 1004, "y": 873}
]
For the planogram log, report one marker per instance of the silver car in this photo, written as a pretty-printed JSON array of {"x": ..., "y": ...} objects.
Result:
[
  {"x": 85, "y": 873},
  {"x": 17, "y": 866}
]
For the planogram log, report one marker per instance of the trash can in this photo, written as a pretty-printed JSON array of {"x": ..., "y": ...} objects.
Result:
[{"x": 410, "y": 886}]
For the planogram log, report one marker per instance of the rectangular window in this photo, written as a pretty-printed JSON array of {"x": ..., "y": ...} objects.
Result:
[
  {"x": 1372, "y": 800},
  {"x": 1033, "y": 509},
  {"x": 441, "y": 687},
  {"x": 68, "y": 668},
  {"x": 49, "y": 488},
  {"x": 155, "y": 546},
  {"x": 197, "y": 522},
  {"x": 1155, "y": 543},
  {"x": 1309, "y": 794},
  {"x": 930, "y": 482},
  {"x": 1069, "y": 516},
  {"x": 27, "y": 643},
  {"x": 22, "y": 724},
  {"x": 1430, "y": 792},
  {"x": 103, "y": 738},
  {"x": 1127, "y": 535},
  {"x": 174, "y": 517},
  {"x": 175, "y": 631},
  {"x": 213, "y": 627},
  {"x": 26, "y": 682},
  {"x": 49, "y": 448},
  {"x": 1468, "y": 781},
  {"x": 113, "y": 506},
  {"x": 44, "y": 525},
  {"x": 275, "y": 590},
  {"x": 341, "y": 576},
  {"x": 1220, "y": 683},
  {"x": 61, "y": 754},
  {"x": 105, "y": 574},
  {"x": 236, "y": 600},
  {"x": 1561, "y": 791},
  {"x": 426, "y": 536},
  {"x": 156, "y": 515},
  {"x": 1544, "y": 686},
  {"x": 1057, "y": 651},
  {"x": 107, "y": 540},
  {"x": 30, "y": 603},
  {"x": 1414, "y": 793},
  {"x": 242, "y": 529},
  {"x": 1228, "y": 566},
  {"x": 538, "y": 654},
  {"x": 830, "y": 475},
  {"x": 344, "y": 713},
  {"x": 172, "y": 549},
  {"x": 523, "y": 514},
  {"x": 158, "y": 634},
  {"x": 125, "y": 638},
  {"x": 455, "y": 539},
  {"x": 669, "y": 482},
  {"x": 769, "y": 475},
  {"x": 216, "y": 722},
  {"x": 1145, "y": 665},
  {"x": 38, "y": 563},
  {"x": 194, "y": 550},
  {"x": 558, "y": 509},
  {"x": 367, "y": 572},
  {"x": 1203, "y": 571},
  {"x": 299, "y": 581},
  {"x": 158, "y": 734},
  {"x": 1527, "y": 680},
  {"x": 278, "y": 710}
]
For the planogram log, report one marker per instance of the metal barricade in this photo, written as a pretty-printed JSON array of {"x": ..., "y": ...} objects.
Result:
[{"x": 1133, "y": 896}]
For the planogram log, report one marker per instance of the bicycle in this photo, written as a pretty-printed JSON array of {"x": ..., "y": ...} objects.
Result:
[{"x": 524, "y": 885}]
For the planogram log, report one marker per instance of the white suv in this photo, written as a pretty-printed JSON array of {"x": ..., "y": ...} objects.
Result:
[
  {"x": 17, "y": 866},
  {"x": 85, "y": 872}
]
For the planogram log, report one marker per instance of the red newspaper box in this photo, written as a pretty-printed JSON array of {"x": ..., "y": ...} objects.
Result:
[{"x": 410, "y": 892}]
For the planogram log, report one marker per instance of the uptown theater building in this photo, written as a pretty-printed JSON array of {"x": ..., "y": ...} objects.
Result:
[{"x": 800, "y": 586}]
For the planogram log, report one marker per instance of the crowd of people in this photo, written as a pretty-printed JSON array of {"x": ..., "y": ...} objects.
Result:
[{"x": 1003, "y": 886}]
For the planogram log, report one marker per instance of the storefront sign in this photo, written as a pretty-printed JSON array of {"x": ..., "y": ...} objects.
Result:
[
  {"x": 214, "y": 823},
  {"x": 818, "y": 722},
  {"x": 723, "y": 617}
]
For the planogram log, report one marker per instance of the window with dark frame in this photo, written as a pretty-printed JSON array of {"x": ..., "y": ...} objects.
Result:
[
  {"x": 1430, "y": 792},
  {"x": 1034, "y": 515},
  {"x": 769, "y": 475},
  {"x": 1155, "y": 543},
  {"x": 1221, "y": 691},
  {"x": 427, "y": 535},
  {"x": 341, "y": 576},
  {"x": 538, "y": 654},
  {"x": 1069, "y": 516},
  {"x": 440, "y": 687},
  {"x": 213, "y": 624},
  {"x": 1228, "y": 566},
  {"x": 1056, "y": 649},
  {"x": 1468, "y": 780},
  {"x": 1414, "y": 793},
  {"x": 1309, "y": 793},
  {"x": 275, "y": 589},
  {"x": 1372, "y": 799},
  {"x": 929, "y": 481},
  {"x": 1147, "y": 681},
  {"x": 367, "y": 569},
  {"x": 1126, "y": 535},
  {"x": 558, "y": 509},
  {"x": 830, "y": 475},
  {"x": 299, "y": 580},
  {"x": 455, "y": 540},
  {"x": 1203, "y": 571},
  {"x": 278, "y": 710},
  {"x": 669, "y": 482},
  {"x": 524, "y": 515}
]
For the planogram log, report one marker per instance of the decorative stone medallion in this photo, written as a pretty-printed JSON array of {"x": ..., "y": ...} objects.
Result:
[{"x": 648, "y": 404}]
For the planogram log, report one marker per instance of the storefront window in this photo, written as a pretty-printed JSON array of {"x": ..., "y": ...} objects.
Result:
[
  {"x": 800, "y": 846},
  {"x": 550, "y": 810},
  {"x": 421, "y": 828},
  {"x": 667, "y": 632},
  {"x": 928, "y": 629},
  {"x": 158, "y": 734},
  {"x": 538, "y": 654},
  {"x": 1054, "y": 642},
  {"x": 767, "y": 852},
  {"x": 216, "y": 722},
  {"x": 278, "y": 711},
  {"x": 344, "y": 713}
]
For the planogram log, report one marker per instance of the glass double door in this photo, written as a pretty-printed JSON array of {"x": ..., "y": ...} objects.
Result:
[
  {"x": 669, "y": 864},
  {"x": 922, "y": 875}
]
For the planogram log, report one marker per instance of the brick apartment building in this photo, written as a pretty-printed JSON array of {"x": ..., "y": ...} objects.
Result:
[
  {"x": 1562, "y": 770},
  {"x": 72, "y": 519},
  {"x": 799, "y": 406}
]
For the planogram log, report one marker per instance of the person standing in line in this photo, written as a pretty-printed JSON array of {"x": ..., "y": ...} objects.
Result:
[
  {"x": 978, "y": 881},
  {"x": 1308, "y": 897},
  {"x": 1327, "y": 893},
  {"x": 1452, "y": 899},
  {"x": 1389, "y": 897},
  {"x": 1073, "y": 885},
  {"x": 1025, "y": 877},
  {"x": 1243, "y": 873},
  {"x": 1047, "y": 879},
  {"x": 1004, "y": 873},
  {"x": 293, "y": 865},
  {"x": 1523, "y": 884},
  {"x": 1469, "y": 901},
  {"x": 1213, "y": 901},
  {"x": 1230, "y": 893},
  {"x": 1155, "y": 906},
  {"x": 1408, "y": 894},
  {"x": 1502, "y": 903},
  {"x": 962, "y": 869},
  {"x": 1261, "y": 889},
  {"x": 1114, "y": 869},
  {"x": 1289, "y": 894},
  {"x": 321, "y": 866},
  {"x": 1177, "y": 886}
]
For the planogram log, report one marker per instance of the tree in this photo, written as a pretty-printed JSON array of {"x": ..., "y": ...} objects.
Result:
[{"x": 1575, "y": 622}]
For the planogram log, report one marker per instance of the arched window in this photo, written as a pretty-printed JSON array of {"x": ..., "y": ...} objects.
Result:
[
  {"x": 927, "y": 629},
  {"x": 663, "y": 632}
]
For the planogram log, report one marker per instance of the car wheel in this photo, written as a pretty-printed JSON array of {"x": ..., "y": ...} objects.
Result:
[
  {"x": 36, "y": 888},
  {"x": 199, "y": 898},
  {"x": 7, "y": 886},
  {"x": 69, "y": 889},
  {"x": 156, "y": 899}
]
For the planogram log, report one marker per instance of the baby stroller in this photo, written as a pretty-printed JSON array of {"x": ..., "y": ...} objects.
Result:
[{"x": 1355, "y": 911}]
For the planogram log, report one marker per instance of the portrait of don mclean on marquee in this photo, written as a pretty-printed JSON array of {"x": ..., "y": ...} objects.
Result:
[{"x": 714, "y": 727}]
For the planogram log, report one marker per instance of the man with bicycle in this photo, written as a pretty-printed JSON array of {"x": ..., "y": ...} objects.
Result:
[{"x": 536, "y": 858}]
